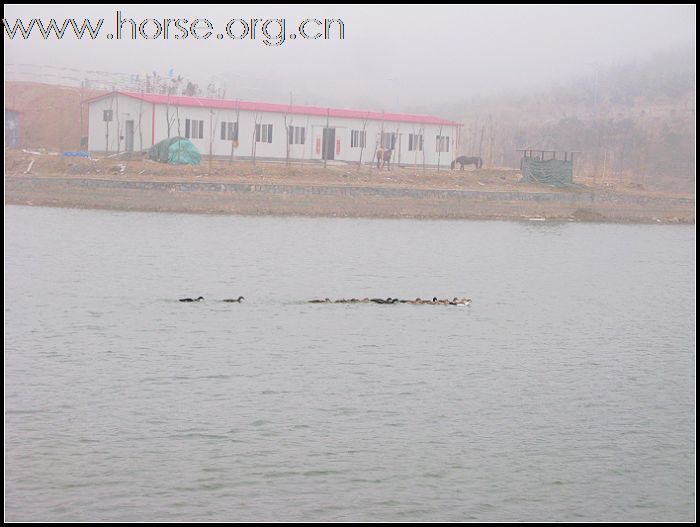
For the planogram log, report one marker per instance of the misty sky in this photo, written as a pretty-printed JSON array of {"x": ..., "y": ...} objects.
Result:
[{"x": 391, "y": 57}]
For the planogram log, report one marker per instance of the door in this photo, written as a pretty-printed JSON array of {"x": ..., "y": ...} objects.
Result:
[
  {"x": 328, "y": 151},
  {"x": 129, "y": 136}
]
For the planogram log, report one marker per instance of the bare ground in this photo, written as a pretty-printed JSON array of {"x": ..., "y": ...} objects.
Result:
[{"x": 241, "y": 187}]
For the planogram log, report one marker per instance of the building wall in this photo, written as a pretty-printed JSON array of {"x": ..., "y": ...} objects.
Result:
[
  {"x": 127, "y": 108},
  {"x": 110, "y": 136}
]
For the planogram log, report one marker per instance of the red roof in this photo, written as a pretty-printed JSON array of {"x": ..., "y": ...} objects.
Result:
[{"x": 182, "y": 100}]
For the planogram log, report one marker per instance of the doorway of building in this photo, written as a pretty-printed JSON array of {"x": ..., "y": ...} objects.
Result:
[
  {"x": 328, "y": 149},
  {"x": 129, "y": 136}
]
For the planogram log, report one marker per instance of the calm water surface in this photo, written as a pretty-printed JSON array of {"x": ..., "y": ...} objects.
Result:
[{"x": 565, "y": 392}]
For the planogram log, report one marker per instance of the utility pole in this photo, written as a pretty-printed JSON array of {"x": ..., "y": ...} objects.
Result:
[
  {"x": 326, "y": 133},
  {"x": 211, "y": 138},
  {"x": 80, "y": 135},
  {"x": 596, "y": 160}
]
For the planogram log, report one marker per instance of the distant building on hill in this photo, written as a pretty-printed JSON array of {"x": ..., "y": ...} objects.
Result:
[{"x": 51, "y": 116}]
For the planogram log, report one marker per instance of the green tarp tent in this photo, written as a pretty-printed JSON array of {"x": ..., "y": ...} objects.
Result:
[
  {"x": 176, "y": 151},
  {"x": 550, "y": 172}
]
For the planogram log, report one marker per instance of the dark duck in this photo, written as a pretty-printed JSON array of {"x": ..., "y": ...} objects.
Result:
[
  {"x": 192, "y": 299},
  {"x": 234, "y": 300}
]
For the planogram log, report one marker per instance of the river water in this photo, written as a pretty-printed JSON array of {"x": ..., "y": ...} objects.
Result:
[{"x": 565, "y": 392}]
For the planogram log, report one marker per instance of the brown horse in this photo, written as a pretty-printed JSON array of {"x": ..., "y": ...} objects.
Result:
[
  {"x": 384, "y": 158},
  {"x": 464, "y": 160}
]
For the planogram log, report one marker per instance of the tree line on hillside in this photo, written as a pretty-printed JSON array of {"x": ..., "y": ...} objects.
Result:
[{"x": 633, "y": 122}]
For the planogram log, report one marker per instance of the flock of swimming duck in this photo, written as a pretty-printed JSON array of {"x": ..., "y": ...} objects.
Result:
[
  {"x": 200, "y": 298},
  {"x": 435, "y": 301}
]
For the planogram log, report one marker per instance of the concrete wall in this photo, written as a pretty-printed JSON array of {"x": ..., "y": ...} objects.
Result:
[{"x": 246, "y": 198}]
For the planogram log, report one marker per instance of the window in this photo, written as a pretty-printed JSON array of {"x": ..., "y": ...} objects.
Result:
[
  {"x": 194, "y": 129},
  {"x": 297, "y": 135},
  {"x": 263, "y": 133},
  {"x": 229, "y": 131},
  {"x": 358, "y": 139},
  {"x": 388, "y": 140},
  {"x": 442, "y": 143},
  {"x": 107, "y": 115},
  {"x": 415, "y": 142}
]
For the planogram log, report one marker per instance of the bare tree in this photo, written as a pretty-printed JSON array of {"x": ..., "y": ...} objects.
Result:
[
  {"x": 439, "y": 146},
  {"x": 212, "y": 126},
  {"x": 107, "y": 121},
  {"x": 256, "y": 128},
  {"x": 492, "y": 140},
  {"x": 287, "y": 138},
  {"x": 377, "y": 144},
  {"x": 177, "y": 119},
  {"x": 140, "y": 119},
  {"x": 119, "y": 128},
  {"x": 170, "y": 90},
  {"x": 288, "y": 124},
  {"x": 324, "y": 146},
  {"x": 234, "y": 139},
  {"x": 412, "y": 143},
  {"x": 396, "y": 139},
  {"x": 422, "y": 144},
  {"x": 363, "y": 139},
  {"x": 306, "y": 136},
  {"x": 190, "y": 90},
  {"x": 82, "y": 97},
  {"x": 169, "y": 120}
]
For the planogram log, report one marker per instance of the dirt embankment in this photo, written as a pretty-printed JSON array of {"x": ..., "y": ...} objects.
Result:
[{"x": 240, "y": 187}]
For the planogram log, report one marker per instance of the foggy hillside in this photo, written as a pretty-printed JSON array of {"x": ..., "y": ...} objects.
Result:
[{"x": 633, "y": 122}]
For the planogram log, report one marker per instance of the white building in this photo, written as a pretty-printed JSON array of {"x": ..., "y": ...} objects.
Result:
[{"x": 126, "y": 121}]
